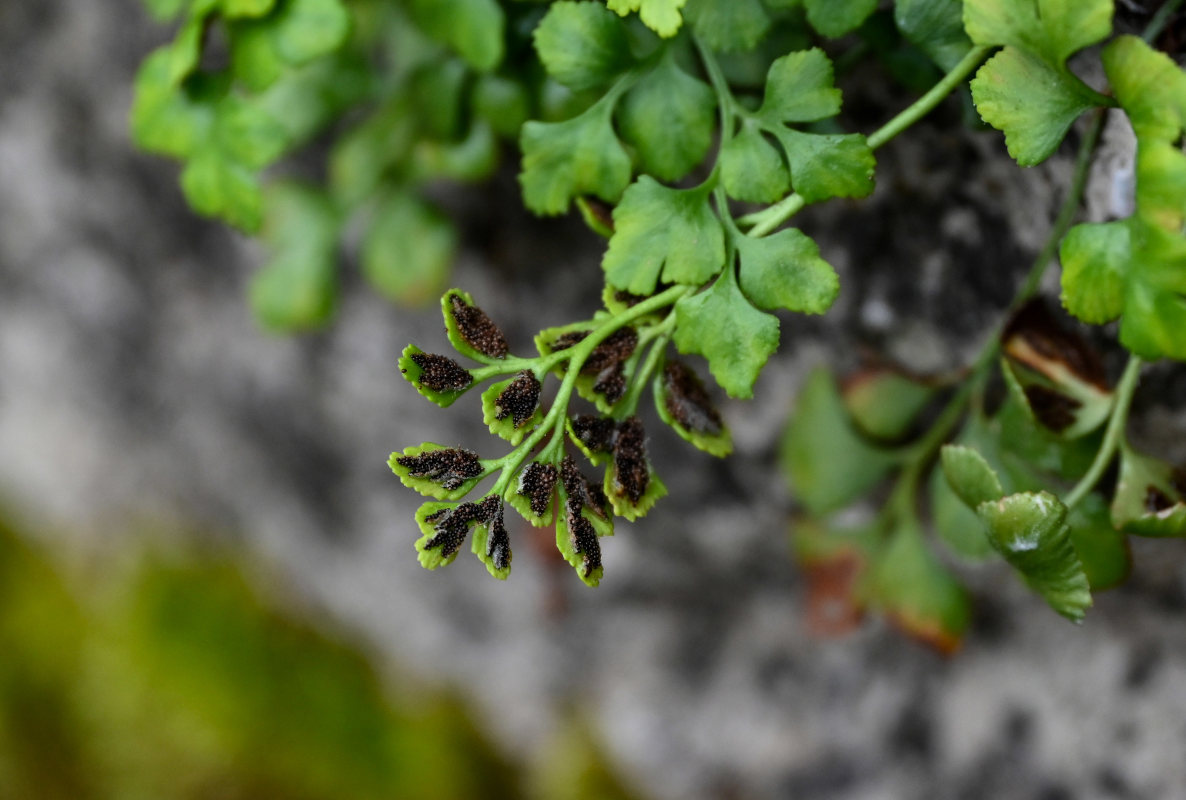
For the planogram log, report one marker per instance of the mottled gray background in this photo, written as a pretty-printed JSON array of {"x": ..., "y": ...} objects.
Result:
[{"x": 137, "y": 393}]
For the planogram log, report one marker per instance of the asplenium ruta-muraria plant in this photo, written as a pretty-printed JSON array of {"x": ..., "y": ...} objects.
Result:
[
  {"x": 689, "y": 133},
  {"x": 382, "y": 97}
]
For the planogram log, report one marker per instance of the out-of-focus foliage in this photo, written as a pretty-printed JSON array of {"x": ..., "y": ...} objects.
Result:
[
  {"x": 178, "y": 680},
  {"x": 391, "y": 96}
]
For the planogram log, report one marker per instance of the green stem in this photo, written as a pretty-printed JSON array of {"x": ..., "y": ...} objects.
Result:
[
  {"x": 925, "y": 104},
  {"x": 921, "y": 453},
  {"x": 659, "y": 329},
  {"x": 576, "y": 358},
  {"x": 1113, "y": 434},
  {"x": 971, "y": 390},
  {"x": 1045, "y": 257},
  {"x": 727, "y": 107},
  {"x": 554, "y": 449},
  {"x": 726, "y": 103},
  {"x": 1158, "y": 23},
  {"x": 901, "y": 503},
  {"x": 620, "y": 87},
  {"x": 1066, "y": 213},
  {"x": 642, "y": 376},
  {"x": 513, "y": 364},
  {"x": 767, "y": 220}
]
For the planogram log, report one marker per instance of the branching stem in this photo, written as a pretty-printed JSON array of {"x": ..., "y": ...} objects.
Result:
[
  {"x": 576, "y": 355},
  {"x": 1113, "y": 434},
  {"x": 662, "y": 335},
  {"x": 727, "y": 106},
  {"x": 726, "y": 103},
  {"x": 1066, "y": 214},
  {"x": 935, "y": 95},
  {"x": 1160, "y": 19},
  {"x": 972, "y": 389}
]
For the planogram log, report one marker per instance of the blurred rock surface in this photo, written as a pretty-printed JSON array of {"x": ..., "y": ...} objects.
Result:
[{"x": 134, "y": 385}]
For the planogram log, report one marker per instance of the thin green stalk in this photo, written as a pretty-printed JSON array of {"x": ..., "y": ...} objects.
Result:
[
  {"x": 662, "y": 328},
  {"x": 1158, "y": 23},
  {"x": 727, "y": 108},
  {"x": 554, "y": 449},
  {"x": 935, "y": 95},
  {"x": 902, "y": 498},
  {"x": 726, "y": 103},
  {"x": 972, "y": 388},
  {"x": 768, "y": 219},
  {"x": 1066, "y": 214},
  {"x": 1113, "y": 434},
  {"x": 629, "y": 404},
  {"x": 622, "y": 85},
  {"x": 1045, "y": 257},
  {"x": 513, "y": 364},
  {"x": 901, "y": 505}
]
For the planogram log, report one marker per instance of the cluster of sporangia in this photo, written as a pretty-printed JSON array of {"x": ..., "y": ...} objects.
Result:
[{"x": 512, "y": 409}]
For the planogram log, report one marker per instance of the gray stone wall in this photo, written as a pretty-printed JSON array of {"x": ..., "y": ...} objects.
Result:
[{"x": 137, "y": 393}]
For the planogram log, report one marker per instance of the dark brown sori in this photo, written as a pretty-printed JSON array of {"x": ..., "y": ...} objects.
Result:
[
  {"x": 611, "y": 383},
  {"x": 687, "y": 401},
  {"x": 567, "y": 340},
  {"x": 577, "y": 486},
  {"x": 537, "y": 482},
  {"x": 477, "y": 329},
  {"x": 583, "y": 537},
  {"x": 595, "y": 433},
  {"x": 628, "y": 299},
  {"x": 452, "y": 524},
  {"x": 519, "y": 400},
  {"x": 631, "y": 475},
  {"x": 498, "y": 543},
  {"x": 616, "y": 348},
  {"x": 441, "y": 374},
  {"x": 450, "y": 468},
  {"x": 489, "y": 507},
  {"x": 1053, "y": 409}
]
